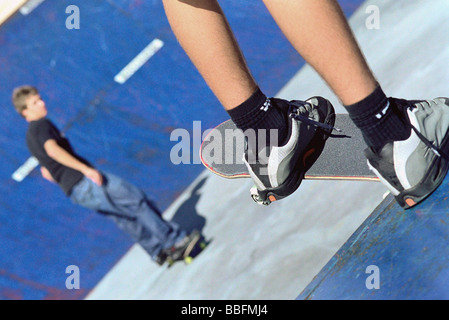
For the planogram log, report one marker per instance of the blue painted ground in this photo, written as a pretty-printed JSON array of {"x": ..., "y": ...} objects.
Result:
[
  {"x": 124, "y": 129},
  {"x": 409, "y": 248}
]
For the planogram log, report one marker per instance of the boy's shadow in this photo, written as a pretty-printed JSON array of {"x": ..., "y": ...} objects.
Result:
[{"x": 186, "y": 215}]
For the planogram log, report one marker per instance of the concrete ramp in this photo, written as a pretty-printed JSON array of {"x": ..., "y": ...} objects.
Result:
[{"x": 395, "y": 254}]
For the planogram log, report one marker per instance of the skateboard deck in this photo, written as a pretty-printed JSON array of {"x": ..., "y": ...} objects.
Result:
[{"x": 342, "y": 158}]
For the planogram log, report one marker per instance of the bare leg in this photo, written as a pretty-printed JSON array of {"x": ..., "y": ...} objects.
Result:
[
  {"x": 203, "y": 31},
  {"x": 320, "y": 33},
  {"x": 316, "y": 28}
]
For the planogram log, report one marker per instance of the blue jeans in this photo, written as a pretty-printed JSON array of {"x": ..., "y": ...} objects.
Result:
[{"x": 130, "y": 209}]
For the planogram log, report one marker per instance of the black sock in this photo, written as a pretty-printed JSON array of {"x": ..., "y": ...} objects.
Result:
[
  {"x": 378, "y": 119},
  {"x": 258, "y": 113}
]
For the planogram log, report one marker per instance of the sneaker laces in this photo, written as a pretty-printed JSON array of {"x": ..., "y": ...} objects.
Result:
[
  {"x": 430, "y": 145},
  {"x": 298, "y": 111},
  {"x": 440, "y": 153}
]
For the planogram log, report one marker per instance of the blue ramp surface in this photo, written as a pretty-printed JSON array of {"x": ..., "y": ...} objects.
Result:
[{"x": 395, "y": 254}]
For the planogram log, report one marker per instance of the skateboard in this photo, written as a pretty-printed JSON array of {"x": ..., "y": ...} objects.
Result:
[
  {"x": 195, "y": 247},
  {"x": 341, "y": 159}
]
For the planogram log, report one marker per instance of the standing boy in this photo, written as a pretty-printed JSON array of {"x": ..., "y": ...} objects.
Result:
[{"x": 105, "y": 193}]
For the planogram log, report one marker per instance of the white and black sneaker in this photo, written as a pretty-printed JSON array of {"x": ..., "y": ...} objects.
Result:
[
  {"x": 413, "y": 168},
  {"x": 277, "y": 170}
]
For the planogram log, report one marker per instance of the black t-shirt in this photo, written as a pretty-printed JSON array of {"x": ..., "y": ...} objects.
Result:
[{"x": 38, "y": 133}]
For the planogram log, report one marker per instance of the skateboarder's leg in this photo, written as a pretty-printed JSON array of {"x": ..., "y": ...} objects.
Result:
[
  {"x": 205, "y": 35},
  {"x": 203, "y": 31},
  {"x": 319, "y": 31},
  {"x": 316, "y": 28}
]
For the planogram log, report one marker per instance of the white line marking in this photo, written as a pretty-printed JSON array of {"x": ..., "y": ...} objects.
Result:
[
  {"x": 139, "y": 61},
  {"x": 30, "y": 6},
  {"x": 25, "y": 169}
]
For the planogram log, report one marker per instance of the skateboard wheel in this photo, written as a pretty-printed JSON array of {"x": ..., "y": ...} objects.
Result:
[{"x": 188, "y": 260}]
